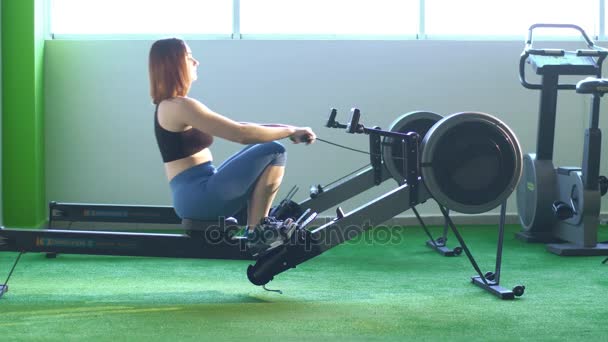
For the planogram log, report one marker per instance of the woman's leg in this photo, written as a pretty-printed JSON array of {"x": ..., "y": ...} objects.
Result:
[
  {"x": 232, "y": 157},
  {"x": 241, "y": 214},
  {"x": 263, "y": 194},
  {"x": 249, "y": 179}
]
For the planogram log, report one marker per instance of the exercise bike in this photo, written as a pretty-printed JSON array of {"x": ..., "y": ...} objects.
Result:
[{"x": 561, "y": 206}]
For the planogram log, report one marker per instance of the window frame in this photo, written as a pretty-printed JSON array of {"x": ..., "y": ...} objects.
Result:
[{"x": 238, "y": 35}]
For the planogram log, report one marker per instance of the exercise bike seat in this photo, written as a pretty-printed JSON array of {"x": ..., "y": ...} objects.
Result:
[{"x": 592, "y": 85}]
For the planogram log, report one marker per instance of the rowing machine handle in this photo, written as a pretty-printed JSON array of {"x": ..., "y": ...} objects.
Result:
[
  {"x": 332, "y": 118},
  {"x": 354, "y": 126},
  {"x": 331, "y": 122},
  {"x": 306, "y": 139}
]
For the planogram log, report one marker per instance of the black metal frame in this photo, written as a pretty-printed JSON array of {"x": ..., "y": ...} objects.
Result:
[
  {"x": 217, "y": 243},
  {"x": 439, "y": 244},
  {"x": 80, "y": 212},
  {"x": 372, "y": 176}
]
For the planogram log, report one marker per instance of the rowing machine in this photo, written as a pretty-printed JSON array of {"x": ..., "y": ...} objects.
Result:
[
  {"x": 216, "y": 242},
  {"x": 384, "y": 165}
]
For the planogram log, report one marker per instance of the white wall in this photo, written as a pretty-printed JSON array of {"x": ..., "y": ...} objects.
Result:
[{"x": 100, "y": 141}]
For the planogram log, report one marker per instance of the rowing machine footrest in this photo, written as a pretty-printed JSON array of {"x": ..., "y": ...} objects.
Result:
[{"x": 286, "y": 209}]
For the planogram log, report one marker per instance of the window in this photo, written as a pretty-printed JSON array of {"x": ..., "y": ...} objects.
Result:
[
  {"x": 507, "y": 17},
  {"x": 329, "y": 17},
  {"x": 334, "y": 18},
  {"x": 141, "y": 17}
]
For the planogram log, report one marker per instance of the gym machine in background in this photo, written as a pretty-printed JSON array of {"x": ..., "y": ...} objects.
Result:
[{"x": 561, "y": 206}]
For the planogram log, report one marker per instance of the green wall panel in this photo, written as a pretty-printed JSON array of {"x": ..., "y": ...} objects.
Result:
[{"x": 23, "y": 180}]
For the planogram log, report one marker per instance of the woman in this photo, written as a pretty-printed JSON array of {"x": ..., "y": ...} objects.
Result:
[{"x": 185, "y": 129}]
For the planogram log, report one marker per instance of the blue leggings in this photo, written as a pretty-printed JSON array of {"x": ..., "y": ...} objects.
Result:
[{"x": 204, "y": 192}]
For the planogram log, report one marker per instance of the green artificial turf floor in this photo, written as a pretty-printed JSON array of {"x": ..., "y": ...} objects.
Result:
[{"x": 363, "y": 290}]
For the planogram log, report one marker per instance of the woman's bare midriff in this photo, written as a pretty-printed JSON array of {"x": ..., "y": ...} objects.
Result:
[{"x": 173, "y": 168}]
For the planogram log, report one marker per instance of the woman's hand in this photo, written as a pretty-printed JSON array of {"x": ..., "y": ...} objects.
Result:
[{"x": 303, "y": 135}]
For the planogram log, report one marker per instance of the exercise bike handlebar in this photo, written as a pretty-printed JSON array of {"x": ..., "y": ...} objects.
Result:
[
  {"x": 592, "y": 51},
  {"x": 588, "y": 40}
]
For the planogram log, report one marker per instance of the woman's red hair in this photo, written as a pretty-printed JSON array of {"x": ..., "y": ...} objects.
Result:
[{"x": 168, "y": 69}]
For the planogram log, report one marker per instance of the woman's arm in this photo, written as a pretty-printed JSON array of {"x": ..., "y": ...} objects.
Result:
[
  {"x": 191, "y": 112},
  {"x": 301, "y": 135},
  {"x": 266, "y": 124}
]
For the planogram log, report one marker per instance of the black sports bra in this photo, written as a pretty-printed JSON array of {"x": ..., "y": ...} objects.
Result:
[{"x": 178, "y": 145}]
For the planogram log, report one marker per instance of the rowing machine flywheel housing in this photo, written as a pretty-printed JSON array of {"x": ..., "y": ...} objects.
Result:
[
  {"x": 470, "y": 162},
  {"x": 392, "y": 151}
]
